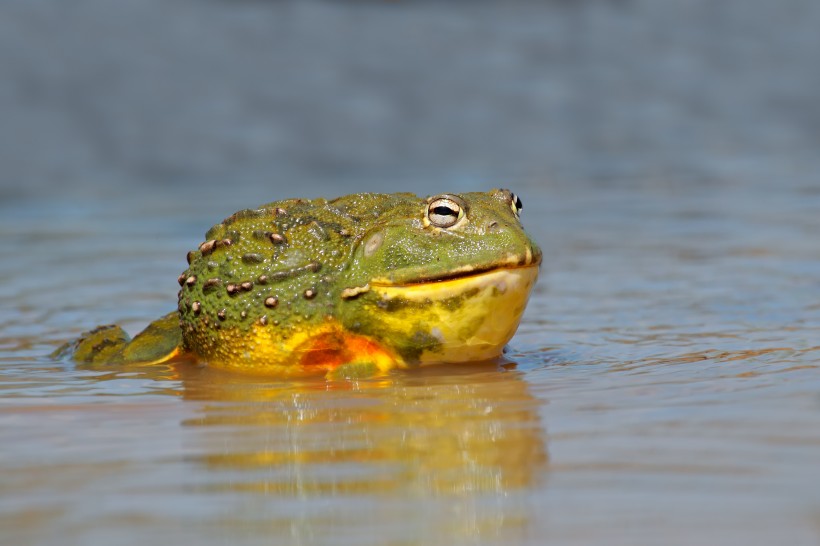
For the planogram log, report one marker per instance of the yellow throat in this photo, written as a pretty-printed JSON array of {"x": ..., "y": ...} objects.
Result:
[{"x": 472, "y": 317}]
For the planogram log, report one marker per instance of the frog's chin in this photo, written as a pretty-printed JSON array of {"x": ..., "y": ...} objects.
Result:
[{"x": 469, "y": 318}]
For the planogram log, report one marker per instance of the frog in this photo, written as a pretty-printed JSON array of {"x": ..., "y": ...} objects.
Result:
[{"x": 356, "y": 285}]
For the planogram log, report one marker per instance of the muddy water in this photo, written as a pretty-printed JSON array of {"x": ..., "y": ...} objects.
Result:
[{"x": 663, "y": 387}]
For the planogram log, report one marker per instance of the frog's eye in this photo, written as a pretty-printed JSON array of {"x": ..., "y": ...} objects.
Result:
[
  {"x": 444, "y": 212},
  {"x": 516, "y": 204}
]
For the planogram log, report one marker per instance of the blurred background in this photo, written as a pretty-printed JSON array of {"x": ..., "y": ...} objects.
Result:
[{"x": 265, "y": 98}]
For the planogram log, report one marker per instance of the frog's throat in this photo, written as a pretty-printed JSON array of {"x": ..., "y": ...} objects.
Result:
[{"x": 468, "y": 318}]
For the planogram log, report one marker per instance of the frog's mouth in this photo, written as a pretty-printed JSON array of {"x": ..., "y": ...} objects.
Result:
[
  {"x": 416, "y": 276},
  {"x": 458, "y": 275}
]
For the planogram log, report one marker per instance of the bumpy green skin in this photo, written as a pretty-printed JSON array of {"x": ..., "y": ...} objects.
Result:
[{"x": 297, "y": 262}]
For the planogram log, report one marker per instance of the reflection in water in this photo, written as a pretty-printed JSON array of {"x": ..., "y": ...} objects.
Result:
[{"x": 453, "y": 435}]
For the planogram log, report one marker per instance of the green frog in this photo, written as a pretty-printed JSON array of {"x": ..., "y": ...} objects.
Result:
[{"x": 363, "y": 283}]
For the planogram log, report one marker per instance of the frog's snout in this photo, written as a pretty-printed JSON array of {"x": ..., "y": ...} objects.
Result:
[
  {"x": 527, "y": 255},
  {"x": 534, "y": 254}
]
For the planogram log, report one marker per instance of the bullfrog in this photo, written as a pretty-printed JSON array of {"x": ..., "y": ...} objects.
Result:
[{"x": 360, "y": 284}]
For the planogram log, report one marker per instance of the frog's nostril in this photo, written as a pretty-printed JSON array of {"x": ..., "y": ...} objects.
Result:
[{"x": 493, "y": 226}]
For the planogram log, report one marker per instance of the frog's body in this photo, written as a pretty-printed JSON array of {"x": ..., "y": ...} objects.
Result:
[{"x": 375, "y": 280}]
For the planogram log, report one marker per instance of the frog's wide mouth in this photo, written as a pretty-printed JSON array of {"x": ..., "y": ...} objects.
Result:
[
  {"x": 453, "y": 276},
  {"x": 501, "y": 279},
  {"x": 462, "y": 319},
  {"x": 416, "y": 276}
]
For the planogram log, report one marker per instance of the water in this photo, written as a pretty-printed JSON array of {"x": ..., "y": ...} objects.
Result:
[{"x": 663, "y": 386}]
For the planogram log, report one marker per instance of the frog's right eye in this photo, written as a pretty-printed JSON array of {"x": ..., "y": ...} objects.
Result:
[
  {"x": 444, "y": 212},
  {"x": 516, "y": 204}
]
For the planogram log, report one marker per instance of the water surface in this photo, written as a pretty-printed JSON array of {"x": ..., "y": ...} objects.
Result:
[{"x": 664, "y": 383}]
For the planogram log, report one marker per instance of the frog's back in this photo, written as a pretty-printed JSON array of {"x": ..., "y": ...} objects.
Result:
[{"x": 266, "y": 281}]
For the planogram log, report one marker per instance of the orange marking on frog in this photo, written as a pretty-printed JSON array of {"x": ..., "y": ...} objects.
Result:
[{"x": 329, "y": 350}]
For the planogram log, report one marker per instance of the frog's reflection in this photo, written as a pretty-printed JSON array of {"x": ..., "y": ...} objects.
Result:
[
  {"x": 443, "y": 431},
  {"x": 451, "y": 451}
]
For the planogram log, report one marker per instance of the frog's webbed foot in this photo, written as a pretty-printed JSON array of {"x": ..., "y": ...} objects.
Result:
[{"x": 110, "y": 345}]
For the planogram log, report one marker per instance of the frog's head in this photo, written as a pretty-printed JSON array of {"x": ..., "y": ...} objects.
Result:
[
  {"x": 446, "y": 236},
  {"x": 443, "y": 279}
]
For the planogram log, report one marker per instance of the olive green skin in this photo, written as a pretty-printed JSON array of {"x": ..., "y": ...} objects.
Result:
[{"x": 295, "y": 263}]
